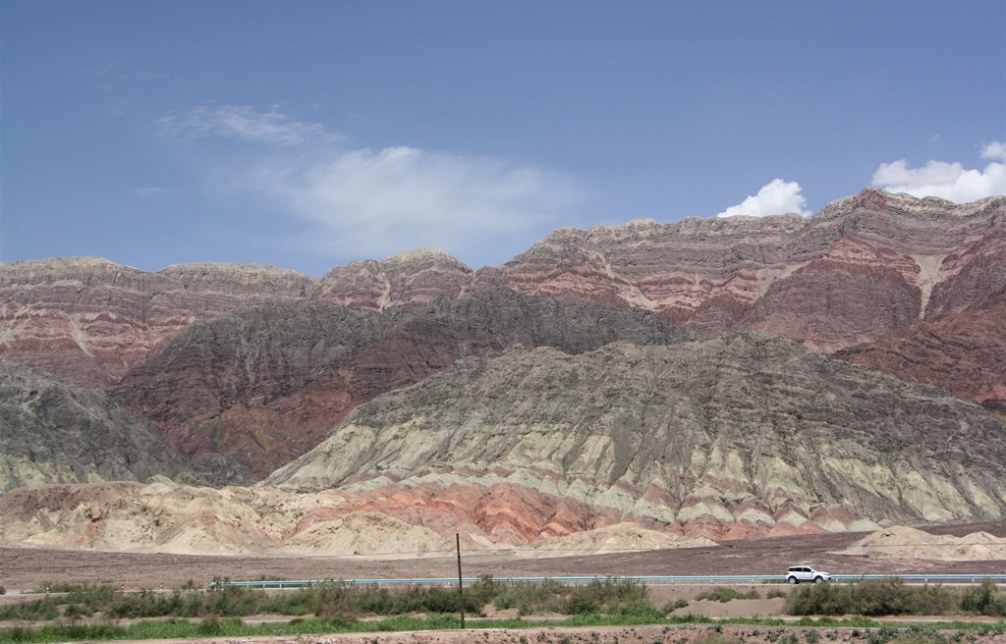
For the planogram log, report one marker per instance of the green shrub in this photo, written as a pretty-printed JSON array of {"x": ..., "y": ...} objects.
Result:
[
  {"x": 931, "y": 600},
  {"x": 984, "y": 600},
  {"x": 884, "y": 597},
  {"x": 581, "y": 602},
  {"x": 893, "y": 597},
  {"x": 725, "y": 594},
  {"x": 638, "y": 608},
  {"x": 821, "y": 599},
  {"x": 211, "y": 626},
  {"x": 674, "y": 605}
]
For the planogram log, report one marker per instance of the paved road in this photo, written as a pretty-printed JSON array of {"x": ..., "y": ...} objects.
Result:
[{"x": 917, "y": 578}]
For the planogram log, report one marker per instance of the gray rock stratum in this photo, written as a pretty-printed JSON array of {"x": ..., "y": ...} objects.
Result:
[
  {"x": 910, "y": 286},
  {"x": 267, "y": 383},
  {"x": 53, "y": 432},
  {"x": 732, "y": 437}
]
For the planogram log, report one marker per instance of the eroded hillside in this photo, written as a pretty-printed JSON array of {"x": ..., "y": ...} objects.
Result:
[
  {"x": 266, "y": 384},
  {"x": 736, "y": 436}
]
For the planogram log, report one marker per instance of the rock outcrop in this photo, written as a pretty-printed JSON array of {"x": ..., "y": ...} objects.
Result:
[
  {"x": 51, "y": 432},
  {"x": 861, "y": 267},
  {"x": 266, "y": 384},
  {"x": 555, "y": 395},
  {"x": 165, "y": 517},
  {"x": 87, "y": 320},
  {"x": 743, "y": 435},
  {"x": 890, "y": 278},
  {"x": 960, "y": 345},
  {"x": 407, "y": 279}
]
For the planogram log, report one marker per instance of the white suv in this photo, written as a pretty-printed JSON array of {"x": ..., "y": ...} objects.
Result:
[{"x": 796, "y": 574}]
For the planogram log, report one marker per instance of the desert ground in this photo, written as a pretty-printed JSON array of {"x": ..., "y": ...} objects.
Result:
[
  {"x": 28, "y": 568},
  {"x": 25, "y": 569},
  {"x": 726, "y": 634}
]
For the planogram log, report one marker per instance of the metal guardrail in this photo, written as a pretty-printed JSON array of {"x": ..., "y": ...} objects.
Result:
[{"x": 971, "y": 578}]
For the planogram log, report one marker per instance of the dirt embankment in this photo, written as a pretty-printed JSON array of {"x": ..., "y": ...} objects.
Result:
[{"x": 687, "y": 634}]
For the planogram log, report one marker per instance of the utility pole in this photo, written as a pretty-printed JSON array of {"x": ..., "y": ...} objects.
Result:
[{"x": 461, "y": 589}]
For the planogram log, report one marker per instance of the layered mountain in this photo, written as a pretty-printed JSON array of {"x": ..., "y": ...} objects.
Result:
[
  {"x": 737, "y": 436},
  {"x": 960, "y": 344},
  {"x": 905, "y": 285},
  {"x": 555, "y": 394},
  {"x": 52, "y": 432},
  {"x": 407, "y": 279},
  {"x": 88, "y": 320},
  {"x": 267, "y": 383}
]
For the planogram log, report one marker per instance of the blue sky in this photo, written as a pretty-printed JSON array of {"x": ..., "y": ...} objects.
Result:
[{"x": 309, "y": 134}]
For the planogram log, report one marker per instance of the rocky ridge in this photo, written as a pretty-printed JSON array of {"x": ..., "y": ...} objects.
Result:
[
  {"x": 267, "y": 383},
  {"x": 887, "y": 277},
  {"x": 406, "y": 279},
  {"x": 257, "y": 364},
  {"x": 961, "y": 342},
  {"x": 52, "y": 432},
  {"x": 743, "y": 435},
  {"x": 88, "y": 320},
  {"x": 862, "y": 266}
]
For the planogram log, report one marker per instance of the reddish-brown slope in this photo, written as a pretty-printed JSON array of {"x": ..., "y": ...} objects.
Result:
[
  {"x": 266, "y": 384},
  {"x": 268, "y": 419},
  {"x": 861, "y": 268},
  {"x": 873, "y": 269},
  {"x": 962, "y": 353},
  {"x": 961, "y": 345},
  {"x": 407, "y": 279},
  {"x": 88, "y": 320}
]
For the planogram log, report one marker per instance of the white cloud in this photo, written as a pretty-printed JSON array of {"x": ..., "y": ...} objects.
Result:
[
  {"x": 949, "y": 181},
  {"x": 245, "y": 123},
  {"x": 994, "y": 150},
  {"x": 775, "y": 198},
  {"x": 385, "y": 201},
  {"x": 363, "y": 202}
]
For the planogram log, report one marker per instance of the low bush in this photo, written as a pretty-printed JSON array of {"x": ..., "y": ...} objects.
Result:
[
  {"x": 670, "y": 607},
  {"x": 609, "y": 596},
  {"x": 893, "y": 597},
  {"x": 985, "y": 600},
  {"x": 725, "y": 594}
]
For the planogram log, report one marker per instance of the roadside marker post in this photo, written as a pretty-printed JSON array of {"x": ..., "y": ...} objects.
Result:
[{"x": 461, "y": 590}]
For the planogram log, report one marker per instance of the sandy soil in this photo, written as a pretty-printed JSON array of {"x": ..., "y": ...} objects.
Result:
[
  {"x": 903, "y": 541},
  {"x": 22, "y": 568}
]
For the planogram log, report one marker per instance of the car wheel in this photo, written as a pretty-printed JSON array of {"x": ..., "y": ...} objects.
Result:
[
  {"x": 818, "y": 580},
  {"x": 792, "y": 580}
]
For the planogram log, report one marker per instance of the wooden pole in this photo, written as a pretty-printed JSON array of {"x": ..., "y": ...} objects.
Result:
[{"x": 461, "y": 590}]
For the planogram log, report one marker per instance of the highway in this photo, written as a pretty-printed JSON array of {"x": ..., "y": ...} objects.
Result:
[{"x": 916, "y": 578}]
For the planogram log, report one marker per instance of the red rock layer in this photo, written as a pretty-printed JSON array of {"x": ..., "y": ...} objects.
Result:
[
  {"x": 871, "y": 269},
  {"x": 407, "y": 279},
  {"x": 271, "y": 419},
  {"x": 862, "y": 267},
  {"x": 88, "y": 320},
  {"x": 508, "y": 513}
]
